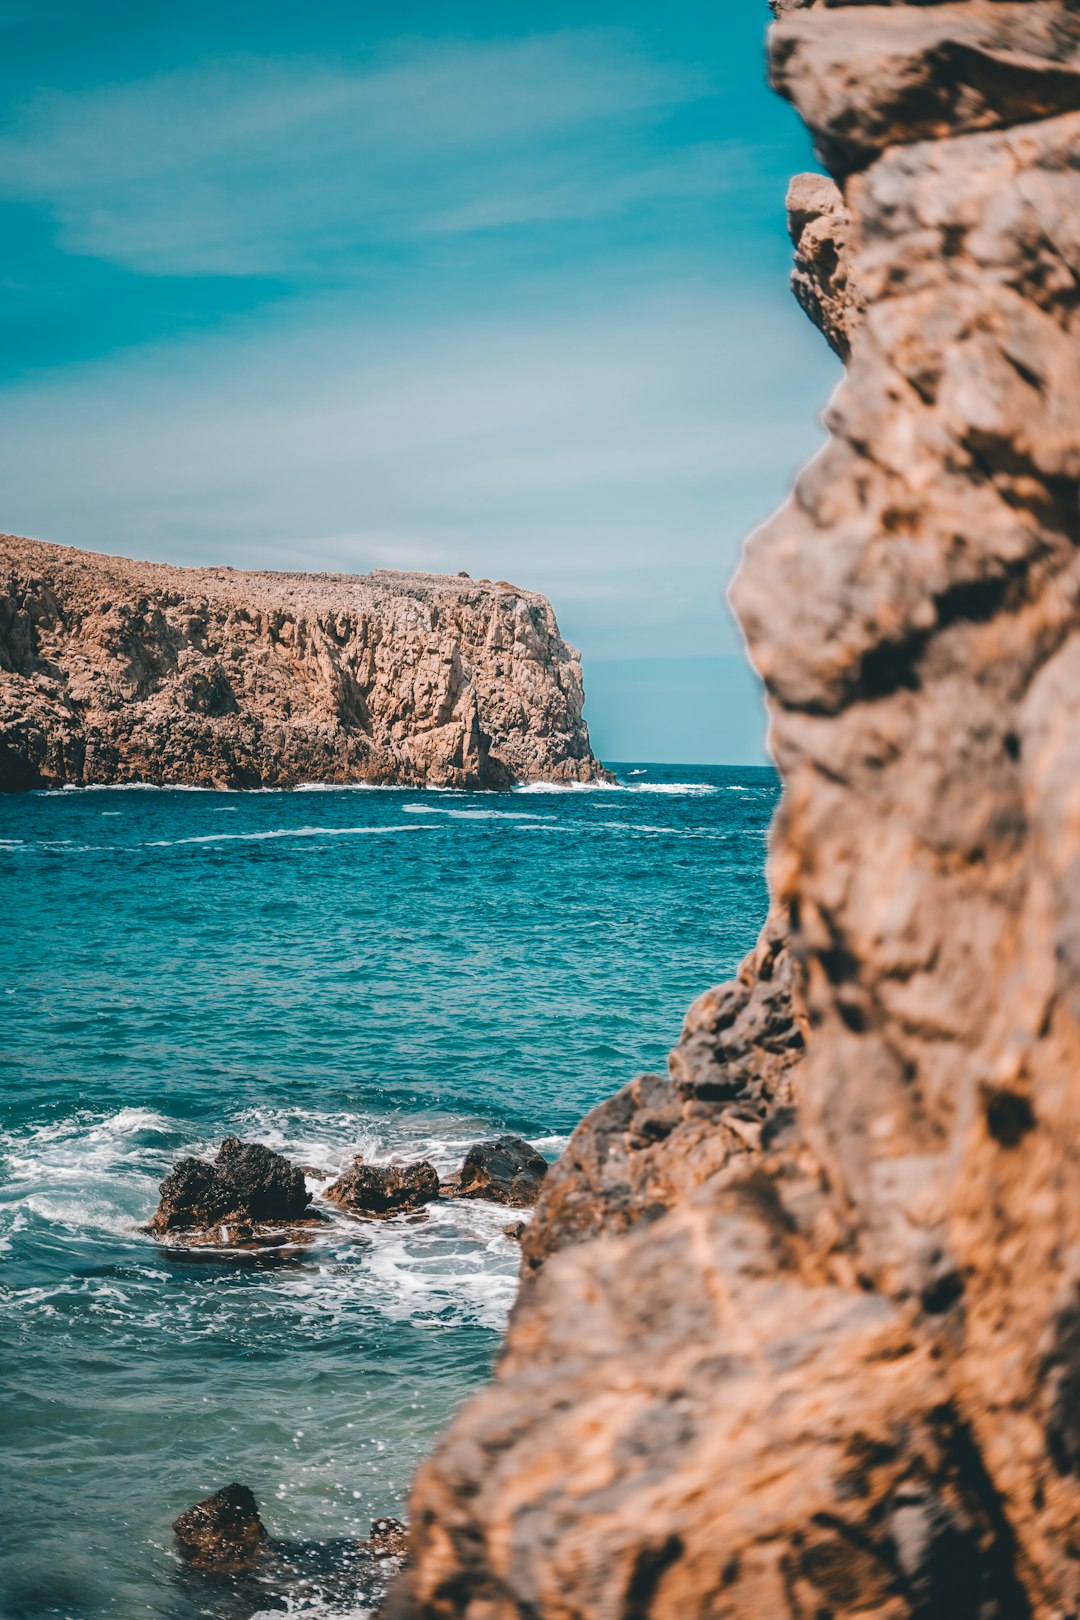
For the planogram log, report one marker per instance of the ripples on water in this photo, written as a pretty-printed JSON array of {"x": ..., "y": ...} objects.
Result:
[{"x": 328, "y": 971}]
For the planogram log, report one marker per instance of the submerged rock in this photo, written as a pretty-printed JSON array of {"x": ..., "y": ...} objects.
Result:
[
  {"x": 506, "y": 1170},
  {"x": 385, "y": 1189},
  {"x": 246, "y": 1185},
  {"x": 223, "y": 1533}
]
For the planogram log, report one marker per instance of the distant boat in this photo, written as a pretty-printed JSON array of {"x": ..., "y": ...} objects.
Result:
[{"x": 639, "y": 773}]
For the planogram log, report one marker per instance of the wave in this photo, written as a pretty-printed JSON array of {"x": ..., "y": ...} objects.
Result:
[
  {"x": 283, "y": 832},
  {"x": 681, "y": 789},
  {"x": 91, "y": 1177},
  {"x": 474, "y": 815}
]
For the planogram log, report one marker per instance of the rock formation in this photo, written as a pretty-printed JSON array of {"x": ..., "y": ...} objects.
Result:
[
  {"x": 385, "y": 1189},
  {"x": 247, "y": 1185},
  {"x": 224, "y": 1538},
  {"x": 118, "y": 671},
  {"x": 801, "y": 1340},
  {"x": 223, "y": 1534},
  {"x": 506, "y": 1170}
]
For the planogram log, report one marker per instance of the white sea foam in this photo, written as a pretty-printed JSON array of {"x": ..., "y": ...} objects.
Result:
[
  {"x": 87, "y": 1175},
  {"x": 283, "y": 832},
  {"x": 475, "y": 815},
  {"x": 681, "y": 789}
]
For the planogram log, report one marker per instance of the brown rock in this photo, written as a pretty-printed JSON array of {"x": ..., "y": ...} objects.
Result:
[
  {"x": 246, "y": 1185},
  {"x": 379, "y": 1189},
  {"x": 506, "y": 1170},
  {"x": 653, "y": 1144},
  {"x": 119, "y": 671},
  {"x": 223, "y": 1534},
  {"x": 838, "y": 1372},
  {"x": 820, "y": 228}
]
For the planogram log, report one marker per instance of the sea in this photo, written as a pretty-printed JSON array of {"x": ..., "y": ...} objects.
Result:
[{"x": 329, "y": 971}]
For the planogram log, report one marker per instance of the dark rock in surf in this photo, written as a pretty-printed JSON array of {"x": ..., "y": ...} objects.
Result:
[
  {"x": 388, "y": 1539},
  {"x": 247, "y": 1183},
  {"x": 385, "y": 1189},
  {"x": 507, "y": 1170},
  {"x": 223, "y": 1534},
  {"x": 515, "y": 1231}
]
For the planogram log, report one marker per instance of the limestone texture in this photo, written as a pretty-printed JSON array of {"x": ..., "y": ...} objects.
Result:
[
  {"x": 114, "y": 671},
  {"x": 799, "y": 1328}
]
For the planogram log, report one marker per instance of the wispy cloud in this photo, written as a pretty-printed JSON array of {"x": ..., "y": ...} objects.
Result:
[
  {"x": 268, "y": 167},
  {"x": 612, "y": 450}
]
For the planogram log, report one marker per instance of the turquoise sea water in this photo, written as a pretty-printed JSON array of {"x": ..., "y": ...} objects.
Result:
[{"x": 330, "y": 972}]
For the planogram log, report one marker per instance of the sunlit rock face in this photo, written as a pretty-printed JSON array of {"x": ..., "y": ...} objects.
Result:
[
  {"x": 118, "y": 671},
  {"x": 805, "y": 1341}
]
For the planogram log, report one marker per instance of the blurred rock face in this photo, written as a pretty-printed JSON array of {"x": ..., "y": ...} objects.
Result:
[{"x": 800, "y": 1332}]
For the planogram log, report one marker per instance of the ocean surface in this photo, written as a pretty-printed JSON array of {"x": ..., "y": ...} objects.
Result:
[{"x": 329, "y": 971}]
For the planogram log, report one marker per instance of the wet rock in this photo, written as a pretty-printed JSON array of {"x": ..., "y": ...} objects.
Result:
[
  {"x": 229, "y": 1557},
  {"x": 247, "y": 1185},
  {"x": 506, "y": 1170},
  {"x": 515, "y": 1231},
  {"x": 223, "y": 1534},
  {"x": 388, "y": 1539},
  {"x": 385, "y": 1189}
]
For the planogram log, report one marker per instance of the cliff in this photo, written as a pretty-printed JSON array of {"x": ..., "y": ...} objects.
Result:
[
  {"x": 798, "y": 1332},
  {"x": 118, "y": 671}
]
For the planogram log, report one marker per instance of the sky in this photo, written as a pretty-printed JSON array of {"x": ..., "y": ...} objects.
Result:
[{"x": 335, "y": 285}]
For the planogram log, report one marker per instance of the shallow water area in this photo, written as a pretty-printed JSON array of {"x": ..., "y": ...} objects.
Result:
[{"x": 328, "y": 971}]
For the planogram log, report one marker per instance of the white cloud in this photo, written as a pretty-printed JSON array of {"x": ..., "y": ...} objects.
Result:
[
  {"x": 610, "y": 450},
  {"x": 256, "y": 166}
]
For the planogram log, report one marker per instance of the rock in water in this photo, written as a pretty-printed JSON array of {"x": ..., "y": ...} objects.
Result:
[
  {"x": 223, "y": 1534},
  {"x": 507, "y": 1170},
  {"x": 118, "y": 671},
  {"x": 247, "y": 1183},
  {"x": 385, "y": 1189},
  {"x": 800, "y": 1335}
]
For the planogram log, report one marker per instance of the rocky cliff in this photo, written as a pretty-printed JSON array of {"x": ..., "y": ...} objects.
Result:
[
  {"x": 799, "y": 1333},
  {"x": 118, "y": 671}
]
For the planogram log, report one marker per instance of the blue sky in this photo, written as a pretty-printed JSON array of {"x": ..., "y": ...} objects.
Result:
[{"x": 339, "y": 286}]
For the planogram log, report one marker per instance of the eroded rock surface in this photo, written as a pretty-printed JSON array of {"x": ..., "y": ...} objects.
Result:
[
  {"x": 653, "y": 1144},
  {"x": 835, "y": 1370},
  {"x": 385, "y": 1189},
  {"x": 246, "y": 1186},
  {"x": 119, "y": 671}
]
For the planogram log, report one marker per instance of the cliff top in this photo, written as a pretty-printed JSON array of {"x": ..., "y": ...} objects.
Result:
[{"x": 255, "y": 587}]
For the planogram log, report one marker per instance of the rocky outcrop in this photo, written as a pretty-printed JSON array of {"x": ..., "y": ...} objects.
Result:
[
  {"x": 820, "y": 227},
  {"x": 506, "y": 1170},
  {"x": 833, "y": 1370},
  {"x": 384, "y": 1189},
  {"x": 247, "y": 1186},
  {"x": 223, "y": 1534},
  {"x": 224, "y": 1539},
  {"x": 117, "y": 671},
  {"x": 652, "y": 1145}
]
